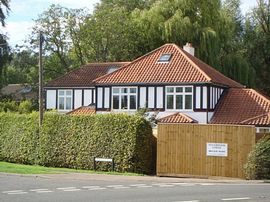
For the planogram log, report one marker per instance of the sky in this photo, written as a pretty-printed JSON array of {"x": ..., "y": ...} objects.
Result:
[{"x": 23, "y": 12}]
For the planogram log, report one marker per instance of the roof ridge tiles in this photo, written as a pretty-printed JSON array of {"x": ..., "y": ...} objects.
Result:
[
  {"x": 125, "y": 66},
  {"x": 255, "y": 117},
  {"x": 259, "y": 94},
  {"x": 193, "y": 63},
  {"x": 183, "y": 68},
  {"x": 101, "y": 66}
]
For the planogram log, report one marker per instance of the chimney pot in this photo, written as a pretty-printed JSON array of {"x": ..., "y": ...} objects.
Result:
[{"x": 189, "y": 48}]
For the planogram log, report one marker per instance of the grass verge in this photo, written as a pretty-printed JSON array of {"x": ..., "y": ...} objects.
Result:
[{"x": 35, "y": 169}]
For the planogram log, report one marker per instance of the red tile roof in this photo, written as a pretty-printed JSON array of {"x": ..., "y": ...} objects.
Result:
[
  {"x": 177, "y": 118},
  {"x": 84, "y": 76},
  {"x": 85, "y": 110},
  {"x": 242, "y": 106},
  {"x": 182, "y": 68}
]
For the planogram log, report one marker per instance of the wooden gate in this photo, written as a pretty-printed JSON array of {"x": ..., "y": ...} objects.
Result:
[{"x": 204, "y": 150}]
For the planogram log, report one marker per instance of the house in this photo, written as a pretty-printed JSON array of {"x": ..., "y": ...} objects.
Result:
[
  {"x": 166, "y": 80},
  {"x": 19, "y": 92},
  {"x": 169, "y": 81},
  {"x": 76, "y": 88},
  {"x": 180, "y": 88}
]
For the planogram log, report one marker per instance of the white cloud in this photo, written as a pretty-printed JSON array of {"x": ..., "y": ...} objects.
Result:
[
  {"x": 22, "y": 13},
  {"x": 18, "y": 31}
]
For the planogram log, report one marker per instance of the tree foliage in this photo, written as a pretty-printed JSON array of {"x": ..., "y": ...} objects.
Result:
[{"x": 4, "y": 9}]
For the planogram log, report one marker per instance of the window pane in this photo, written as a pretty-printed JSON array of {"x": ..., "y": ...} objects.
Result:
[
  {"x": 188, "y": 102},
  {"x": 61, "y": 103},
  {"x": 123, "y": 90},
  {"x": 124, "y": 102},
  {"x": 133, "y": 90},
  {"x": 165, "y": 58},
  {"x": 179, "y": 101},
  {"x": 68, "y": 92},
  {"x": 61, "y": 92},
  {"x": 116, "y": 90},
  {"x": 68, "y": 103},
  {"x": 169, "y": 101},
  {"x": 170, "y": 89},
  {"x": 116, "y": 102},
  {"x": 179, "y": 89},
  {"x": 188, "y": 89},
  {"x": 132, "y": 102}
]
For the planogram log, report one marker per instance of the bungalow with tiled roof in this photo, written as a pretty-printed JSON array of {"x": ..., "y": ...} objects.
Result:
[
  {"x": 76, "y": 88},
  {"x": 172, "y": 82}
]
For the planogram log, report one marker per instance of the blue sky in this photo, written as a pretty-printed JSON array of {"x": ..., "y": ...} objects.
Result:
[{"x": 23, "y": 12}]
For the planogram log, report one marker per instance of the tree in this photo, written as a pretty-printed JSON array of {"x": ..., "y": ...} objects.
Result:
[
  {"x": 4, "y": 58},
  {"x": 110, "y": 33},
  {"x": 61, "y": 27},
  {"x": 257, "y": 41},
  {"x": 4, "y": 9},
  {"x": 4, "y": 48}
]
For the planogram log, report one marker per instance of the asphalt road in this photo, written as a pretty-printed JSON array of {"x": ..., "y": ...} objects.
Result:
[{"x": 86, "y": 187}]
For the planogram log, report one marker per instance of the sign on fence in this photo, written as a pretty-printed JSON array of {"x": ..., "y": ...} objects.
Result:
[{"x": 216, "y": 149}]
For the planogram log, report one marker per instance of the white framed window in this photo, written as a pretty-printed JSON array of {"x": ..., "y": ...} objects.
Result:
[
  {"x": 124, "y": 98},
  {"x": 65, "y": 100},
  {"x": 179, "y": 98}
]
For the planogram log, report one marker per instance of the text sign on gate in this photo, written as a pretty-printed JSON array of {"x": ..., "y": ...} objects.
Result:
[{"x": 216, "y": 149}]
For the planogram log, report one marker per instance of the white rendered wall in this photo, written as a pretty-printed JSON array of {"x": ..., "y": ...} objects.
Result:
[
  {"x": 107, "y": 98},
  {"x": 160, "y": 97},
  {"x": 51, "y": 99},
  {"x": 204, "y": 97},
  {"x": 87, "y": 97},
  {"x": 198, "y": 97},
  {"x": 201, "y": 117},
  {"x": 151, "y": 97},
  {"x": 77, "y": 99},
  {"x": 99, "y": 97},
  {"x": 142, "y": 97}
]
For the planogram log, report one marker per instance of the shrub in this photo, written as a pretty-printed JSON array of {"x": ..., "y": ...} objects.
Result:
[
  {"x": 258, "y": 164},
  {"x": 73, "y": 141},
  {"x": 25, "y": 107},
  {"x": 8, "y": 106},
  {"x": 18, "y": 137}
]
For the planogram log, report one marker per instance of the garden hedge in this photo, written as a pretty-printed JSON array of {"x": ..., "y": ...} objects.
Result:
[
  {"x": 18, "y": 137},
  {"x": 73, "y": 141},
  {"x": 258, "y": 163}
]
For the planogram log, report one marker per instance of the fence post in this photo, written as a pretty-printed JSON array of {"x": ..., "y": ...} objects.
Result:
[
  {"x": 113, "y": 164},
  {"x": 94, "y": 163}
]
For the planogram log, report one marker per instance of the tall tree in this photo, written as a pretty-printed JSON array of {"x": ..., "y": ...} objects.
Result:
[
  {"x": 60, "y": 27},
  {"x": 257, "y": 41},
  {"x": 110, "y": 34},
  {"x": 4, "y": 9}
]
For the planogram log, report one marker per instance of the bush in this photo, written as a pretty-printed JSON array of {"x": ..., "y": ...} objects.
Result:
[
  {"x": 18, "y": 137},
  {"x": 258, "y": 164},
  {"x": 8, "y": 106},
  {"x": 25, "y": 107},
  {"x": 73, "y": 141}
]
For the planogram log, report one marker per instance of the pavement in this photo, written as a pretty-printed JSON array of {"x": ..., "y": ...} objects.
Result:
[
  {"x": 113, "y": 188},
  {"x": 112, "y": 178}
]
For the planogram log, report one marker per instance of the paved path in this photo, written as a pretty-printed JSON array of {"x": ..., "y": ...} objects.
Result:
[{"x": 89, "y": 187}]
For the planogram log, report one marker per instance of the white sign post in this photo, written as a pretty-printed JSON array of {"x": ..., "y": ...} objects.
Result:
[{"x": 216, "y": 149}]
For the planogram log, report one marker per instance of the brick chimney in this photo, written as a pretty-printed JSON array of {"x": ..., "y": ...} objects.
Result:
[{"x": 189, "y": 48}]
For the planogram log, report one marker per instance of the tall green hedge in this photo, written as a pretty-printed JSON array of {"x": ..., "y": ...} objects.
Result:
[
  {"x": 258, "y": 163},
  {"x": 73, "y": 141},
  {"x": 18, "y": 137}
]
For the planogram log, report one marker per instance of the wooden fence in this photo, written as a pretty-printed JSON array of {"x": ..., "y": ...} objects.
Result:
[{"x": 195, "y": 149}]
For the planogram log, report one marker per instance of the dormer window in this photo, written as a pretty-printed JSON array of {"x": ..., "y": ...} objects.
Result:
[{"x": 165, "y": 57}]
